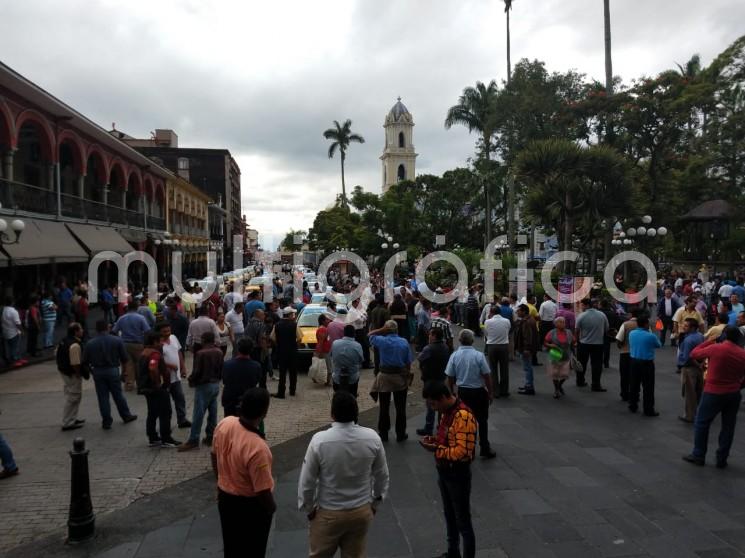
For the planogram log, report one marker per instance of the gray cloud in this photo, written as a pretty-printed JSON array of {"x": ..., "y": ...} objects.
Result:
[{"x": 265, "y": 80}]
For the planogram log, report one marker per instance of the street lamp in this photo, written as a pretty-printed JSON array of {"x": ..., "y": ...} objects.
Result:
[{"x": 17, "y": 226}]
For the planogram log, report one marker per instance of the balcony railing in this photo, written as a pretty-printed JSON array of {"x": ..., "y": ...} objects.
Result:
[{"x": 16, "y": 196}]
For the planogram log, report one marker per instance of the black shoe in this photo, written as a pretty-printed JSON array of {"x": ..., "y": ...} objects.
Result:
[
  {"x": 106, "y": 426},
  {"x": 423, "y": 432},
  {"x": 207, "y": 440},
  {"x": 184, "y": 424},
  {"x": 557, "y": 394},
  {"x": 155, "y": 443},
  {"x": 505, "y": 394},
  {"x": 685, "y": 420},
  {"x": 79, "y": 421},
  {"x": 292, "y": 394},
  {"x": 651, "y": 414},
  {"x": 581, "y": 384},
  {"x": 598, "y": 389},
  {"x": 488, "y": 454},
  {"x": 693, "y": 459},
  {"x": 130, "y": 418},
  {"x": 170, "y": 443},
  {"x": 633, "y": 408},
  {"x": 537, "y": 364},
  {"x": 526, "y": 391},
  {"x": 73, "y": 426},
  {"x": 278, "y": 396},
  {"x": 624, "y": 397},
  {"x": 721, "y": 464},
  {"x": 402, "y": 438},
  {"x": 383, "y": 436}
]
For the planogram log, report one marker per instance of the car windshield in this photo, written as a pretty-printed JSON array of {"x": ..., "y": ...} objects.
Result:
[{"x": 309, "y": 319}]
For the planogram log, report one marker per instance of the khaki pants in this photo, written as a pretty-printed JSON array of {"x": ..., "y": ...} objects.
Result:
[
  {"x": 134, "y": 352},
  {"x": 344, "y": 529},
  {"x": 73, "y": 389},
  {"x": 692, "y": 378}
]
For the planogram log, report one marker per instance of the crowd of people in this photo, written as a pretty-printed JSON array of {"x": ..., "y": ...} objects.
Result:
[{"x": 241, "y": 343}]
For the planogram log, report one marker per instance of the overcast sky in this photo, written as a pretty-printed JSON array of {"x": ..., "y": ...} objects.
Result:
[{"x": 264, "y": 79}]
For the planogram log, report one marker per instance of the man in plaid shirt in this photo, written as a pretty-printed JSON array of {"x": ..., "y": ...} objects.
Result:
[
  {"x": 441, "y": 322},
  {"x": 454, "y": 448}
]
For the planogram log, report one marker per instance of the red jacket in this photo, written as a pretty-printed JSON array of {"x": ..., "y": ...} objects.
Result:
[{"x": 726, "y": 372}]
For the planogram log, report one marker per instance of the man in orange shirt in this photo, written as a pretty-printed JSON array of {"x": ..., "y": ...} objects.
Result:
[
  {"x": 454, "y": 448},
  {"x": 242, "y": 462}
]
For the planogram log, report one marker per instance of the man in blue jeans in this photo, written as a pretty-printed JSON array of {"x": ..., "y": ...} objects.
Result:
[
  {"x": 6, "y": 457},
  {"x": 105, "y": 353},
  {"x": 205, "y": 378},
  {"x": 725, "y": 378}
]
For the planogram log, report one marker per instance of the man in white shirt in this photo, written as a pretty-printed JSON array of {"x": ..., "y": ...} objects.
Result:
[
  {"x": 358, "y": 318},
  {"x": 173, "y": 357},
  {"x": 547, "y": 314},
  {"x": 343, "y": 480},
  {"x": 497, "y": 332},
  {"x": 11, "y": 327},
  {"x": 233, "y": 297},
  {"x": 235, "y": 320}
]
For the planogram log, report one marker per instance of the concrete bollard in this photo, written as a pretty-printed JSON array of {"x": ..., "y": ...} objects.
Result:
[{"x": 81, "y": 522}]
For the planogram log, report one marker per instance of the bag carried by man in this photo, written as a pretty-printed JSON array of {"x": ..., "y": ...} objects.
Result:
[{"x": 318, "y": 370}]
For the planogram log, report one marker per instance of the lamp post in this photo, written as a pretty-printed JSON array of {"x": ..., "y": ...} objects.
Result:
[{"x": 17, "y": 226}]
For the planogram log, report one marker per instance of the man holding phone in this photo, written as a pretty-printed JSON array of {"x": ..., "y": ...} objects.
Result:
[{"x": 454, "y": 447}]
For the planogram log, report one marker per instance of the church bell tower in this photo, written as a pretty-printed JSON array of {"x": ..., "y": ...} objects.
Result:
[{"x": 399, "y": 157}]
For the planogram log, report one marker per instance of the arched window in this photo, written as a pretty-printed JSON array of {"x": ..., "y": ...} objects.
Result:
[
  {"x": 401, "y": 173},
  {"x": 401, "y": 140}
]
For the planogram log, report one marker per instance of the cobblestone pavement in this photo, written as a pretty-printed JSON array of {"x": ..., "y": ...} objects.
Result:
[{"x": 122, "y": 467}]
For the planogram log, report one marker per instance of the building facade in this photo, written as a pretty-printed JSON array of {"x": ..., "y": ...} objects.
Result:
[
  {"x": 187, "y": 219},
  {"x": 214, "y": 171},
  {"x": 77, "y": 189},
  {"x": 399, "y": 156}
]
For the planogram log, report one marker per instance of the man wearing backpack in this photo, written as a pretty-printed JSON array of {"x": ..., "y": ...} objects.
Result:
[
  {"x": 153, "y": 378},
  {"x": 69, "y": 363}
]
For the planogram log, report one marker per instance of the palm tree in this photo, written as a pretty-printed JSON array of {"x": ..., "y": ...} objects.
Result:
[
  {"x": 476, "y": 111},
  {"x": 608, "y": 60},
  {"x": 692, "y": 68},
  {"x": 507, "y": 8},
  {"x": 342, "y": 135}
]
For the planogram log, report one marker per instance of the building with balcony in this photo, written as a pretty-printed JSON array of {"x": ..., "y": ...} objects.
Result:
[
  {"x": 78, "y": 189},
  {"x": 214, "y": 171},
  {"x": 188, "y": 225}
]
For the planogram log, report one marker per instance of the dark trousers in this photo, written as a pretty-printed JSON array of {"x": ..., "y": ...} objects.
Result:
[
  {"x": 350, "y": 388},
  {"x": 287, "y": 363},
  {"x": 544, "y": 328},
  {"x": 499, "y": 361},
  {"x": 642, "y": 376},
  {"x": 179, "y": 402},
  {"x": 158, "y": 410},
  {"x": 32, "y": 345},
  {"x": 455, "y": 488},
  {"x": 384, "y": 418},
  {"x": 710, "y": 406},
  {"x": 472, "y": 320},
  {"x": 478, "y": 401},
  {"x": 624, "y": 369},
  {"x": 360, "y": 335},
  {"x": 245, "y": 525},
  {"x": 667, "y": 325},
  {"x": 429, "y": 419},
  {"x": 108, "y": 382},
  {"x": 593, "y": 354},
  {"x": 376, "y": 356},
  {"x": 606, "y": 352}
]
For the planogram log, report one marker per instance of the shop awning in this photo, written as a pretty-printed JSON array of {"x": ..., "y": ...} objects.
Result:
[
  {"x": 97, "y": 239},
  {"x": 44, "y": 241},
  {"x": 133, "y": 235}
]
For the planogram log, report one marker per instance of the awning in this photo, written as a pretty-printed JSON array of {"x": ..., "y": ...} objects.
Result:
[
  {"x": 97, "y": 239},
  {"x": 44, "y": 241},
  {"x": 132, "y": 235}
]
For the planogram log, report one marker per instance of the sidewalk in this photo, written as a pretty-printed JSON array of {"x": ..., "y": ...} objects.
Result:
[{"x": 578, "y": 477}]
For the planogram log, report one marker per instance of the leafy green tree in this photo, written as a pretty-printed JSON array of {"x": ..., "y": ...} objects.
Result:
[
  {"x": 341, "y": 136},
  {"x": 288, "y": 243}
]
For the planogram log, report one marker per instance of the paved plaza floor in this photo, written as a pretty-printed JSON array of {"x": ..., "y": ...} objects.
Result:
[{"x": 576, "y": 477}]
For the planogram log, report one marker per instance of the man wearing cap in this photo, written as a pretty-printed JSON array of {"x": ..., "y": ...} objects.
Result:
[
  {"x": 285, "y": 338},
  {"x": 394, "y": 378}
]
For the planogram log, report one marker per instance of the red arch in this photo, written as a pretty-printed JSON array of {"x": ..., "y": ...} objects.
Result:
[
  {"x": 160, "y": 192},
  {"x": 7, "y": 126},
  {"x": 78, "y": 149},
  {"x": 45, "y": 131},
  {"x": 106, "y": 170},
  {"x": 148, "y": 187},
  {"x": 118, "y": 164},
  {"x": 135, "y": 178}
]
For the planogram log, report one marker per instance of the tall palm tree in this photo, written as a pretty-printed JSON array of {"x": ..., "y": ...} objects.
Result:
[
  {"x": 476, "y": 111},
  {"x": 608, "y": 60},
  {"x": 507, "y": 8},
  {"x": 692, "y": 68},
  {"x": 341, "y": 135}
]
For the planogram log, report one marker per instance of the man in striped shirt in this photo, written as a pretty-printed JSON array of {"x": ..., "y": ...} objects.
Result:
[{"x": 454, "y": 448}]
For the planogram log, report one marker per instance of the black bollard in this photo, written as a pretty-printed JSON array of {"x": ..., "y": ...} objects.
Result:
[{"x": 81, "y": 522}]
